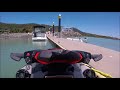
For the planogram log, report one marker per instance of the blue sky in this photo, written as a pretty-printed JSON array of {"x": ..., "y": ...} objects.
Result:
[{"x": 103, "y": 23}]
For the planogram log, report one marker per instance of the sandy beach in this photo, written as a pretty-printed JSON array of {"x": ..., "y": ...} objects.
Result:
[{"x": 111, "y": 59}]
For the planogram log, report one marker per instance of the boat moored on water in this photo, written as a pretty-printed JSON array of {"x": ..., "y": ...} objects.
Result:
[{"x": 39, "y": 33}]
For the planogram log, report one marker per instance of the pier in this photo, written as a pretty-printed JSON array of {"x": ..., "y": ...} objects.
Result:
[{"x": 111, "y": 59}]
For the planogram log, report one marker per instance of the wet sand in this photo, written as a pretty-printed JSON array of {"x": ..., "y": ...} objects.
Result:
[{"x": 111, "y": 59}]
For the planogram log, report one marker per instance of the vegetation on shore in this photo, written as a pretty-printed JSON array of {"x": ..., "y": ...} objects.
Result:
[{"x": 25, "y": 28}]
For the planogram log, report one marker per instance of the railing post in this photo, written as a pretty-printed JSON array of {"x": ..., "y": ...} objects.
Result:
[
  {"x": 59, "y": 24},
  {"x": 53, "y": 28}
]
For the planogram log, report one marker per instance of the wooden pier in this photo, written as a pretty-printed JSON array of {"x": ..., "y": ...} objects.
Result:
[{"x": 111, "y": 59}]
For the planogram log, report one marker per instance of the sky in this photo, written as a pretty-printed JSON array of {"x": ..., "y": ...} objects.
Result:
[{"x": 102, "y": 23}]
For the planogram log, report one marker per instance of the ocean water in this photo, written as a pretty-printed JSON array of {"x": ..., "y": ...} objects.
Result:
[
  {"x": 107, "y": 43},
  {"x": 103, "y": 42},
  {"x": 8, "y": 67}
]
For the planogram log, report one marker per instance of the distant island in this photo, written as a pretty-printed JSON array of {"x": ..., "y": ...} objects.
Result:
[{"x": 25, "y": 28}]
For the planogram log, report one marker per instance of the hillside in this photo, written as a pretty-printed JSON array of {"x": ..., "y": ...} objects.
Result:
[
  {"x": 93, "y": 35},
  {"x": 18, "y": 28},
  {"x": 24, "y": 28}
]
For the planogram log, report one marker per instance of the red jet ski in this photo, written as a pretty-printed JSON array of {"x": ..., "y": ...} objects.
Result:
[{"x": 55, "y": 63}]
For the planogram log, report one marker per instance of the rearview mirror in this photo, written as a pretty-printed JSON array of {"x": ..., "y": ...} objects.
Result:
[
  {"x": 17, "y": 56},
  {"x": 97, "y": 57}
]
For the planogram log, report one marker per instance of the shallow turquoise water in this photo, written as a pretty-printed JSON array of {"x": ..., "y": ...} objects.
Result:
[
  {"x": 8, "y": 67},
  {"x": 107, "y": 43}
]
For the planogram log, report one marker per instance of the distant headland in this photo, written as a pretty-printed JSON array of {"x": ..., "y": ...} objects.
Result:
[{"x": 25, "y": 28}]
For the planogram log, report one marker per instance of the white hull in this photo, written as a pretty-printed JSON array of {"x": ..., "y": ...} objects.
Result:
[{"x": 39, "y": 38}]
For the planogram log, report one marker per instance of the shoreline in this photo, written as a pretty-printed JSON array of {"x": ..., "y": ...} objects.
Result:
[
  {"x": 29, "y": 35},
  {"x": 15, "y": 35}
]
